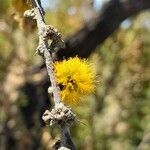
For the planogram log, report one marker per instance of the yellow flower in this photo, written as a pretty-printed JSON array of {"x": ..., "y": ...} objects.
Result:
[{"x": 75, "y": 78}]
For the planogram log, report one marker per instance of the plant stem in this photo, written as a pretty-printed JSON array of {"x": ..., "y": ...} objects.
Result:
[
  {"x": 47, "y": 55},
  {"x": 66, "y": 140}
]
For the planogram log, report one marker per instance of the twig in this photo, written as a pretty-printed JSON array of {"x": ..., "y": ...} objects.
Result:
[
  {"x": 61, "y": 115},
  {"x": 44, "y": 50}
]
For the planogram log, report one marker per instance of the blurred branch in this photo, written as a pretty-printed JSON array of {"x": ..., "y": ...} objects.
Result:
[{"x": 84, "y": 42}]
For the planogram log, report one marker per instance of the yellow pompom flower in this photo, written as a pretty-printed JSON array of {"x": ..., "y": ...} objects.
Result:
[{"x": 76, "y": 78}]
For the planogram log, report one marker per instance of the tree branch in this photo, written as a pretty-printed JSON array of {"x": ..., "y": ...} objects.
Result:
[
  {"x": 85, "y": 41},
  {"x": 61, "y": 115},
  {"x": 44, "y": 50}
]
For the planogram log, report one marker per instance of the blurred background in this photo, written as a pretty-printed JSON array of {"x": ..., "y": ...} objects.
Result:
[{"x": 117, "y": 115}]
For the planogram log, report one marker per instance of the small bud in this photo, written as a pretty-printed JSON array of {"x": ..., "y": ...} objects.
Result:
[
  {"x": 30, "y": 14},
  {"x": 50, "y": 90}
]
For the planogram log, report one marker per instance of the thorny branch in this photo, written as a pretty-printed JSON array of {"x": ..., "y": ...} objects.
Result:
[{"x": 60, "y": 115}]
